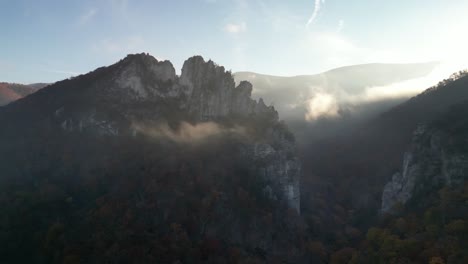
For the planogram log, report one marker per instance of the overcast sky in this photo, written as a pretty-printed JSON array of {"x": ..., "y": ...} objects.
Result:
[{"x": 49, "y": 40}]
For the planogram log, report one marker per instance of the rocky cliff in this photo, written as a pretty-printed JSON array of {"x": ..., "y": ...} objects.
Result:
[{"x": 435, "y": 159}]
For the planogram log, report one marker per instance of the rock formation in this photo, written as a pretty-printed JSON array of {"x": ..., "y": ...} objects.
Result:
[{"x": 433, "y": 161}]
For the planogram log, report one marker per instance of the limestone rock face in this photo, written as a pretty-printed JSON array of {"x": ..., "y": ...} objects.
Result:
[{"x": 429, "y": 164}]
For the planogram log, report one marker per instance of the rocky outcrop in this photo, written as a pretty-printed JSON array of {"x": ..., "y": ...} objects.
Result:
[
  {"x": 142, "y": 77},
  {"x": 142, "y": 89},
  {"x": 276, "y": 162},
  {"x": 204, "y": 90},
  {"x": 212, "y": 93},
  {"x": 400, "y": 188},
  {"x": 281, "y": 171},
  {"x": 431, "y": 162}
]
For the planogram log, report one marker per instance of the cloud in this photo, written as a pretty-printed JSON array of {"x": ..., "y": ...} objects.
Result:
[
  {"x": 87, "y": 16},
  {"x": 321, "y": 105},
  {"x": 235, "y": 28},
  {"x": 186, "y": 132},
  {"x": 318, "y": 6}
]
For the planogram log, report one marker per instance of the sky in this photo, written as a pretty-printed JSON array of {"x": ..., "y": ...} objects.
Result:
[{"x": 50, "y": 40}]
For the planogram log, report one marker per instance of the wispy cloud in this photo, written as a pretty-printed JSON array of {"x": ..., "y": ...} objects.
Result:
[
  {"x": 236, "y": 28},
  {"x": 87, "y": 16},
  {"x": 318, "y": 6}
]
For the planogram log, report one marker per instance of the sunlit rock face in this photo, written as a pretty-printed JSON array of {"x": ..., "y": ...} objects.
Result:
[
  {"x": 142, "y": 89},
  {"x": 141, "y": 77},
  {"x": 430, "y": 163}
]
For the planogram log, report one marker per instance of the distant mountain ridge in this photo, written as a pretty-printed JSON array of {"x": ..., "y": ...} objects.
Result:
[
  {"x": 10, "y": 92},
  {"x": 366, "y": 68},
  {"x": 290, "y": 95}
]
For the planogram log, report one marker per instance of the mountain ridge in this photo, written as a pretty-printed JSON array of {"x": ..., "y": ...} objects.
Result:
[
  {"x": 10, "y": 92},
  {"x": 428, "y": 64}
]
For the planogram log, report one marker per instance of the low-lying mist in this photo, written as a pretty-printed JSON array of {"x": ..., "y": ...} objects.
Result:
[{"x": 185, "y": 132}]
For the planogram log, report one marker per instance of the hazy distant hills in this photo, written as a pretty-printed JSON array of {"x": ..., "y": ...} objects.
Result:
[
  {"x": 10, "y": 92},
  {"x": 291, "y": 94}
]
